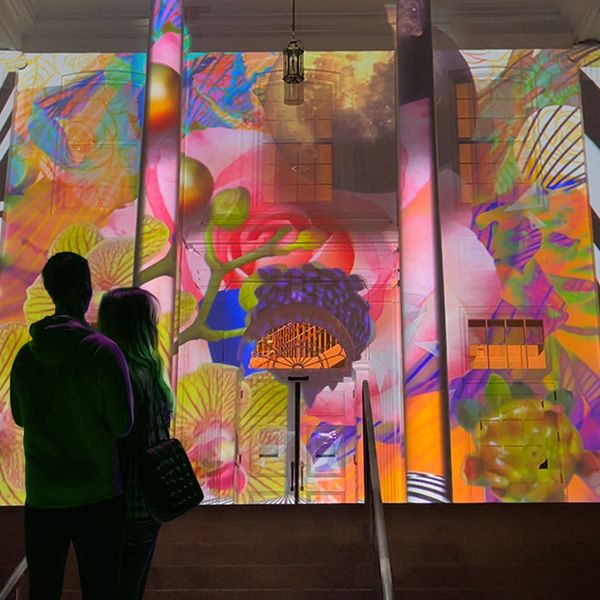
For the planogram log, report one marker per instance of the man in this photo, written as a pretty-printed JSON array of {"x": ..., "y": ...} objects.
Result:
[{"x": 70, "y": 391}]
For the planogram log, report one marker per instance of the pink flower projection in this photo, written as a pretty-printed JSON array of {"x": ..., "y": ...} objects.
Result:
[{"x": 230, "y": 158}]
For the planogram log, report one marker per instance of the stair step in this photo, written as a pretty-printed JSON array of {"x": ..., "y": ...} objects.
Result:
[
  {"x": 269, "y": 594},
  {"x": 487, "y": 576},
  {"x": 252, "y": 577},
  {"x": 496, "y": 551},
  {"x": 525, "y": 593},
  {"x": 214, "y": 524},
  {"x": 247, "y": 553}
]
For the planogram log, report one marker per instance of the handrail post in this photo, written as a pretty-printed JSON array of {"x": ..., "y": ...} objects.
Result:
[{"x": 373, "y": 496}]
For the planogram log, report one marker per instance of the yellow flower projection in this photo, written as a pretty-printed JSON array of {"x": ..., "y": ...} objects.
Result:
[
  {"x": 12, "y": 463},
  {"x": 110, "y": 260},
  {"x": 221, "y": 420}
]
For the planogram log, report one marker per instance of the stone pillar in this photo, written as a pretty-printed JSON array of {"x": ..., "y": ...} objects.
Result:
[
  {"x": 158, "y": 203},
  {"x": 423, "y": 319}
]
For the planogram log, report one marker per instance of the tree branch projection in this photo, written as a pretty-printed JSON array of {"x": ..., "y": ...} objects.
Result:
[{"x": 229, "y": 209}]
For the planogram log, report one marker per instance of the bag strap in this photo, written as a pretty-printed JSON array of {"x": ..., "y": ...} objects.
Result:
[{"x": 153, "y": 423}]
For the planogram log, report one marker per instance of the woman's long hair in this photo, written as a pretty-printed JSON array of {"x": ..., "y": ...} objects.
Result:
[{"x": 129, "y": 316}]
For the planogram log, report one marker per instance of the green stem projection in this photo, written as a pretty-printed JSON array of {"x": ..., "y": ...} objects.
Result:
[
  {"x": 199, "y": 329},
  {"x": 230, "y": 208},
  {"x": 165, "y": 266}
]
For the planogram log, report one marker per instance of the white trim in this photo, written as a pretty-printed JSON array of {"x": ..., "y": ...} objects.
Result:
[
  {"x": 6, "y": 112},
  {"x": 5, "y": 144},
  {"x": 88, "y": 25},
  {"x": 16, "y": 16}
]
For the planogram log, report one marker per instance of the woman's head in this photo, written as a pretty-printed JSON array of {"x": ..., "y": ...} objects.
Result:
[{"x": 129, "y": 316}]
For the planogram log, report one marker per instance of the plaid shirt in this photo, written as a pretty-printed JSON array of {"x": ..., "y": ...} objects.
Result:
[{"x": 148, "y": 429}]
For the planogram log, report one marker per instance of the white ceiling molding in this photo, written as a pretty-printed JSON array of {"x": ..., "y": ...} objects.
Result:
[
  {"x": 324, "y": 30},
  {"x": 503, "y": 24},
  {"x": 584, "y": 17},
  {"x": 229, "y": 25},
  {"x": 15, "y": 17}
]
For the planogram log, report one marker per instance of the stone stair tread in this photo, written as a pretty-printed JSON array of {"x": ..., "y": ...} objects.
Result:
[
  {"x": 265, "y": 594},
  {"x": 252, "y": 577}
]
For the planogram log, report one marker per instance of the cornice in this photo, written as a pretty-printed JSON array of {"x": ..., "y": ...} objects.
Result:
[
  {"x": 121, "y": 25},
  {"x": 583, "y": 16},
  {"x": 16, "y": 16},
  {"x": 589, "y": 26}
]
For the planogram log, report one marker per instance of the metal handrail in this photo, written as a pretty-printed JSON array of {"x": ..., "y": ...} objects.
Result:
[
  {"x": 14, "y": 579},
  {"x": 373, "y": 496}
]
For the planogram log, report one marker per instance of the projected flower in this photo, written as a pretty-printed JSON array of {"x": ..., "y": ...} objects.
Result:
[
  {"x": 110, "y": 260},
  {"x": 320, "y": 290},
  {"x": 206, "y": 425},
  {"x": 12, "y": 471},
  {"x": 527, "y": 451},
  {"x": 301, "y": 237}
]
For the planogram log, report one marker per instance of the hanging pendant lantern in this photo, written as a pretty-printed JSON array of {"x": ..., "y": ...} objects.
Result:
[
  {"x": 293, "y": 66},
  {"x": 293, "y": 62}
]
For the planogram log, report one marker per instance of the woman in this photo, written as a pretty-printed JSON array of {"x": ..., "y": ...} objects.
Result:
[{"x": 129, "y": 316}]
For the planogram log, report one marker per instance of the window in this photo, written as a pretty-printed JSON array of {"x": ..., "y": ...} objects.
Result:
[
  {"x": 101, "y": 137},
  {"x": 271, "y": 442},
  {"x": 466, "y": 111},
  {"x": 298, "y": 159},
  {"x": 506, "y": 344},
  {"x": 488, "y": 125},
  {"x": 297, "y": 172}
]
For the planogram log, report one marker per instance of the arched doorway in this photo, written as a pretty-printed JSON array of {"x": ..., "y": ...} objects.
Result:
[
  {"x": 321, "y": 464},
  {"x": 311, "y": 352}
]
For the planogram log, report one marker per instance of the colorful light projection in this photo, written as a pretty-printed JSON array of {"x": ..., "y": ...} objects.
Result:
[
  {"x": 73, "y": 181},
  {"x": 424, "y": 361},
  {"x": 72, "y": 185},
  {"x": 520, "y": 283},
  {"x": 159, "y": 197},
  {"x": 298, "y": 346},
  {"x": 279, "y": 243},
  {"x": 339, "y": 325},
  {"x": 234, "y": 225}
]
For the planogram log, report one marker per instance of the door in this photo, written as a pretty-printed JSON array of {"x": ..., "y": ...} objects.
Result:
[{"x": 323, "y": 462}]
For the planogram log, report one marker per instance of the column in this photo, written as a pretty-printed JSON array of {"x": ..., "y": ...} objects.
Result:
[
  {"x": 423, "y": 319},
  {"x": 158, "y": 205}
]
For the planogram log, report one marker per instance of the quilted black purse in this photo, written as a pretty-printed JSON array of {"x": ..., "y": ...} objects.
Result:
[{"x": 168, "y": 480}]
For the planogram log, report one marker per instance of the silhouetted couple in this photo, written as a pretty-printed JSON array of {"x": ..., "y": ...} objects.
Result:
[{"x": 90, "y": 404}]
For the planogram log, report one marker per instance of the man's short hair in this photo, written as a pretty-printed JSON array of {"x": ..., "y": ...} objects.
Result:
[{"x": 65, "y": 273}]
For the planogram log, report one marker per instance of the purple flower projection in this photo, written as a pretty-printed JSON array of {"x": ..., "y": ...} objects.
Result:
[{"x": 319, "y": 290}]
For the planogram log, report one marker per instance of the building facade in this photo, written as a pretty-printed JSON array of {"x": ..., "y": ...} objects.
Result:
[{"x": 301, "y": 249}]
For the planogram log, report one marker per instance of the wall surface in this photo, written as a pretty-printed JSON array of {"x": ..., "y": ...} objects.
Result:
[
  {"x": 521, "y": 292},
  {"x": 289, "y": 214}
]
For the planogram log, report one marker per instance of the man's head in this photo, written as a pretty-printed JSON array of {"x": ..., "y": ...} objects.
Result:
[{"x": 68, "y": 281}]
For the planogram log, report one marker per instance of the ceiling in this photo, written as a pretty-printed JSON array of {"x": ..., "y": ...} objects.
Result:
[{"x": 220, "y": 25}]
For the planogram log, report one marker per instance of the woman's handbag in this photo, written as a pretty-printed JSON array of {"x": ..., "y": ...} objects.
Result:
[{"x": 168, "y": 480}]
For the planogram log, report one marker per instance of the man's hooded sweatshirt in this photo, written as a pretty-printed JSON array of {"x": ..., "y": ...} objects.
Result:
[{"x": 70, "y": 391}]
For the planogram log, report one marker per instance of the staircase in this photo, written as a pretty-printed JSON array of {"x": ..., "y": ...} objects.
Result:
[
  {"x": 261, "y": 553},
  {"x": 438, "y": 552}
]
